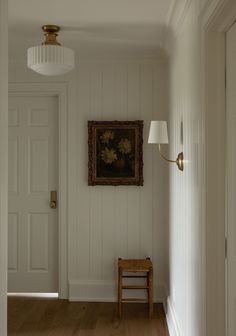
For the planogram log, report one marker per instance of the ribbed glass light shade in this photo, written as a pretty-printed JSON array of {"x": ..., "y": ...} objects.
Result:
[{"x": 50, "y": 60}]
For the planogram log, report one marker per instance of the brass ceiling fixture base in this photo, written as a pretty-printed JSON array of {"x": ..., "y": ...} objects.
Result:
[
  {"x": 180, "y": 161},
  {"x": 51, "y": 33}
]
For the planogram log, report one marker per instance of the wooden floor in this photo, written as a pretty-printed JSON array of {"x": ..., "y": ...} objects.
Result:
[{"x": 31, "y": 317}]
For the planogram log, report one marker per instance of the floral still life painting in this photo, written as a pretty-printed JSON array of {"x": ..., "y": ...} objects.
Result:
[{"x": 115, "y": 152}]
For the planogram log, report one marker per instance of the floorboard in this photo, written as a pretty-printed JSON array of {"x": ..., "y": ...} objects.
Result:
[{"x": 53, "y": 317}]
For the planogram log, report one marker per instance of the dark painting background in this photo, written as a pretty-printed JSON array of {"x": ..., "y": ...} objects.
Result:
[{"x": 115, "y": 152}]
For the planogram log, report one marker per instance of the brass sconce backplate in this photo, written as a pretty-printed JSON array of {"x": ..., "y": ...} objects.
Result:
[{"x": 180, "y": 161}]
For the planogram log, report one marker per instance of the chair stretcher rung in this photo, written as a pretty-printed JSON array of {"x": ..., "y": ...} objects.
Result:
[
  {"x": 133, "y": 299},
  {"x": 136, "y": 270},
  {"x": 134, "y": 287},
  {"x": 134, "y": 276}
]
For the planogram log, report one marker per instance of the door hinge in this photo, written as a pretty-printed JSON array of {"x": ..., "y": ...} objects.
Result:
[{"x": 226, "y": 248}]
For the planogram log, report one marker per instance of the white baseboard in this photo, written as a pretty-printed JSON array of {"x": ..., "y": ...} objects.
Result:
[
  {"x": 106, "y": 291},
  {"x": 172, "y": 321}
]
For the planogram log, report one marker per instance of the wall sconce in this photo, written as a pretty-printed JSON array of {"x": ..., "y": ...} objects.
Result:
[{"x": 158, "y": 135}]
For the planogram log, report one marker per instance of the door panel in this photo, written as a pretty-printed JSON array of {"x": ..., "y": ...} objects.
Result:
[
  {"x": 33, "y": 173},
  {"x": 231, "y": 179},
  {"x": 13, "y": 147},
  {"x": 13, "y": 227}
]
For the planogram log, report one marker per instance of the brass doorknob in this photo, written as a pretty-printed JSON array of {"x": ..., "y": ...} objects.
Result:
[
  {"x": 53, "y": 205},
  {"x": 53, "y": 199}
]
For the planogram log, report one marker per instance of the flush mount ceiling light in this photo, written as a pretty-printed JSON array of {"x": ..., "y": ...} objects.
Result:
[{"x": 50, "y": 58}]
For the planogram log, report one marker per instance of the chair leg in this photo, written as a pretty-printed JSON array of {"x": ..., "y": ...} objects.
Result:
[
  {"x": 119, "y": 292},
  {"x": 148, "y": 288},
  {"x": 150, "y": 292}
]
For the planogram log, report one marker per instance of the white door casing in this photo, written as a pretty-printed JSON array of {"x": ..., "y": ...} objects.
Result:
[
  {"x": 60, "y": 91},
  {"x": 217, "y": 17},
  {"x": 231, "y": 179},
  {"x": 33, "y": 173},
  {"x": 3, "y": 162}
]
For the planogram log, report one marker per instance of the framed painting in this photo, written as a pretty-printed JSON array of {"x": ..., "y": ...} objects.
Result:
[{"x": 115, "y": 153}]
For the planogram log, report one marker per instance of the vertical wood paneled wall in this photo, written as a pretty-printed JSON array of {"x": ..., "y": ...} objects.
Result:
[
  {"x": 185, "y": 302},
  {"x": 106, "y": 222}
]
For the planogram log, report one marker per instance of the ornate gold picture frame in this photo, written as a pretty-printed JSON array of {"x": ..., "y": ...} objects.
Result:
[{"x": 115, "y": 153}]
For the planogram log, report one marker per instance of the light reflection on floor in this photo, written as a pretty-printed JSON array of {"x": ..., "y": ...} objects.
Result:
[{"x": 34, "y": 295}]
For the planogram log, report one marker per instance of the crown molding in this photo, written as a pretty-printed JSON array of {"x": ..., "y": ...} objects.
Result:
[
  {"x": 174, "y": 23},
  {"x": 177, "y": 15},
  {"x": 130, "y": 58},
  {"x": 226, "y": 14},
  {"x": 218, "y": 15}
]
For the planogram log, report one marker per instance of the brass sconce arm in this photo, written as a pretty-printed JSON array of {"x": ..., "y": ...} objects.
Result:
[
  {"x": 159, "y": 147},
  {"x": 179, "y": 160}
]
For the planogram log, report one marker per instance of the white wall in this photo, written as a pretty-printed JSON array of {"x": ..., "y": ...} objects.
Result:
[
  {"x": 196, "y": 304},
  {"x": 107, "y": 222},
  {"x": 185, "y": 302},
  {"x": 215, "y": 186},
  {"x": 3, "y": 165}
]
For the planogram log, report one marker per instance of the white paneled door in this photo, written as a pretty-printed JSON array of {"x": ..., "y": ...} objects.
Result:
[
  {"x": 33, "y": 173},
  {"x": 231, "y": 180}
]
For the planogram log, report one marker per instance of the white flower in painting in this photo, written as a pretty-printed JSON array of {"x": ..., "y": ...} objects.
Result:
[
  {"x": 108, "y": 155},
  {"x": 107, "y": 136},
  {"x": 124, "y": 146}
]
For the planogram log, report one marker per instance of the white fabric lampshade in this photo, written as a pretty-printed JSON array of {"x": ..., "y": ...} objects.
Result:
[
  {"x": 158, "y": 132},
  {"x": 50, "y": 60}
]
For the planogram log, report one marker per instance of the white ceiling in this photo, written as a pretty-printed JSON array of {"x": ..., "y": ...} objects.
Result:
[{"x": 92, "y": 27}]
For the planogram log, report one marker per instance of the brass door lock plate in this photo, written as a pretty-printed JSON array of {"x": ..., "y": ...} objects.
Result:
[{"x": 53, "y": 199}]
